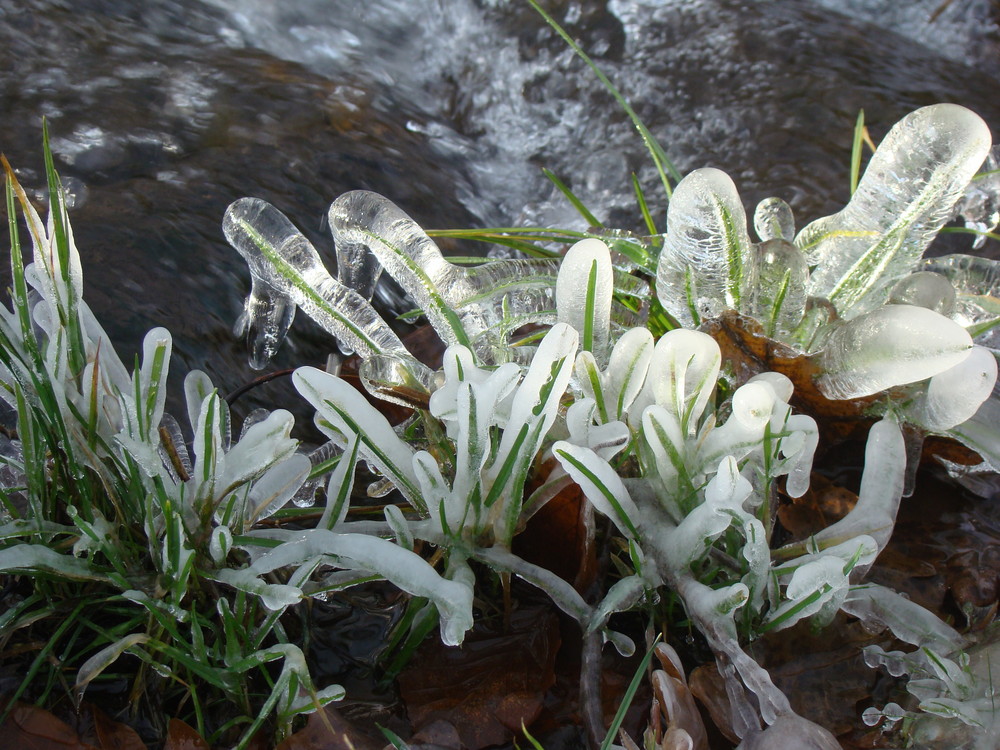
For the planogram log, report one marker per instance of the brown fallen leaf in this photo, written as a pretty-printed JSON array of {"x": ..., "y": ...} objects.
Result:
[
  {"x": 328, "y": 730},
  {"x": 180, "y": 736},
  {"x": 110, "y": 734},
  {"x": 29, "y": 727},
  {"x": 490, "y": 685}
]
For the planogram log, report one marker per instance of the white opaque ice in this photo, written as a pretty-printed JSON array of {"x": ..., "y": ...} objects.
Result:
[
  {"x": 583, "y": 294},
  {"x": 892, "y": 345},
  {"x": 955, "y": 395}
]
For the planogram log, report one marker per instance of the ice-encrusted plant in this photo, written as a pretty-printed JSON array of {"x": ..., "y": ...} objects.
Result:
[
  {"x": 131, "y": 530},
  {"x": 639, "y": 424}
]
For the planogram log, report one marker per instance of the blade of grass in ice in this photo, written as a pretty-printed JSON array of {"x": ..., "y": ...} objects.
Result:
[{"x": 859, "y": 128}]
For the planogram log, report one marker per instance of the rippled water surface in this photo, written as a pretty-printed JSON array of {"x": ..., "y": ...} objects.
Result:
[{"x": 164, "y": 112}]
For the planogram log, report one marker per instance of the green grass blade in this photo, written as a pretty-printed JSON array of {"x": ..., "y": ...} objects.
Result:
[
  {"x": 633, "y": 687},
  {"x": 856, "y": 147},
  {"x": 664, "y": 166},
  {"x": 585, "y": 212}
]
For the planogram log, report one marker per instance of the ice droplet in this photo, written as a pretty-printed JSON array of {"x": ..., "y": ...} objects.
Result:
[
  {"x": 773, "y": 220},
  {"x": 706, "y": 251},
  {"x": 892, "y": 345},
  {"x": 777, "y": 295},
  {"x": 924, "y": 289},
  {"x": 906, "y": 195}
]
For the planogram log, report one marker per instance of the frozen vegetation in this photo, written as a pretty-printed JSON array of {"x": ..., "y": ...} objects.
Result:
[{"x": 681, "y": 450}]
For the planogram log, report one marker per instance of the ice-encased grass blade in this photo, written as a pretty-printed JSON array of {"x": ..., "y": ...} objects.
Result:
[
  {"x": 289, "y": 266},
  {"x": 533, "y": 410},
  {"x": 101, "y": 661},
  {"x": 906, "y": 195},
  {"x": 681, "y": 376},
  {"x": 583, "y": 295},
  {"x": 706, "y": 252},
  {"x": 878, "y": 498},
  {"x": 615, "y": 388},
  {"x": 600, "y": 484},
  {"x": 404, "y": 568},
  {"x": 889, "y": 346},
  {"x": 460, "y": 303},
  {"x": 37, "y": 559},
  {"x": 776, "y": 296},
  {"x": 343, "y": 412}
]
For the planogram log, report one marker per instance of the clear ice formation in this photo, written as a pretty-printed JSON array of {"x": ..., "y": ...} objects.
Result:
[
  {"x": 773, "y": 220},
  {"x": 777, "y": 298},
  {"x": 462, "y": 304},
  {"x": 925, "y": 289},
  {"x": 980, "y": 206},
  {"x": 906, "y": 195},
  {"x": 977, "y": 283},
  {"x": 889, "y": 346},
  {"x": 706, "y": 253},
  {"x": 287, "y": 272}
]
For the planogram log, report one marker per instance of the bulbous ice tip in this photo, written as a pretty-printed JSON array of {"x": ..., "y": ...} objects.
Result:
[
  {"x": 925, "y": 289},
  {"x": 773, "y": 220}
]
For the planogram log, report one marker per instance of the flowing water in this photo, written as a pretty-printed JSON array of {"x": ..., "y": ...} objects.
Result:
[{"x": 164, "y": 112}]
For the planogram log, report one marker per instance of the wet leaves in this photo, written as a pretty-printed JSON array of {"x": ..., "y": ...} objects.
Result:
[
  {"x": 180, "y": 736},
  {"x": 29, "y": 727},
  {"x": 487, "y": 688}
]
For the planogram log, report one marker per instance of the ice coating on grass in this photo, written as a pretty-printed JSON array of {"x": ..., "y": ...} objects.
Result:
[
  {"x": 583, "y": 294},
  {"x": 906, "y": 195},
  {"x": 954, "y": 396},
  {"x": 980, "y": 206},
  {"x": 925, "y": 289},
  {"x": 291, "y": 273},
  {"x": 892, "y": 345},
  {"x": 706, "y": 251},
  {"x": 773, "y": 220},
  {"x": 460, "y": 303},
  {"x": 977, "y": 282},
  {"x": 777, "y": 298}
]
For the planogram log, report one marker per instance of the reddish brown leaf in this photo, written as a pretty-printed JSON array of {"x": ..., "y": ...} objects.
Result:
[
  {"x": 32, "y": 728},
  {"x": 327, "y": 730},
  {"x": 113, "y": 735},
  {"x": 490, "y": 685},
  {"x": 823, "y": 504},
  {"x": 180, "y": 736},
  {"x": 559, "y": 537}
]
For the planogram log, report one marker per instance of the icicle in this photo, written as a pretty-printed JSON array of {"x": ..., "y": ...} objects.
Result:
[{"x": 292, "y": 273}]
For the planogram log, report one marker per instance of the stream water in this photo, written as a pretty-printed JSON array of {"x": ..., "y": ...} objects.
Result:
[{"x": 164, "y": 112}]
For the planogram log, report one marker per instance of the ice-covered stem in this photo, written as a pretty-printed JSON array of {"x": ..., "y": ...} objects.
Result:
[
  {"x": 460, "y": 303},
  {"x": 287, "y": 272},
  {"x": 908, "y": 192}
]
